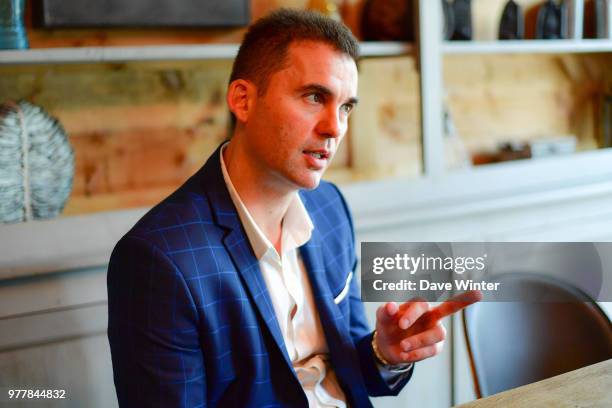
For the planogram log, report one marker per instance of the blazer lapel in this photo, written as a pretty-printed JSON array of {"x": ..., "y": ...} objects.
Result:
[
  {"x": 239, "y": 248},
  {"x": 328, "y": 312},
  {"x": 339, "y": 342}
]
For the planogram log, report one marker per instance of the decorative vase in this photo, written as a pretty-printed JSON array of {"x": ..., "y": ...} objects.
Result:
[
  {"x": 36, "y": 163},
  {"x": 12, "y": 30}
]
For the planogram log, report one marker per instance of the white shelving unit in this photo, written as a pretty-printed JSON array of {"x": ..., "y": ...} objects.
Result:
[
  {"x": 162, "y": 53},
  {"x": 527, "y": 47},
  {"x": 563, "y": 198},
  {"x": 386, "y": 49},
  {"x": 432, "y": 51},
  {"x": 118, "y": 54}
]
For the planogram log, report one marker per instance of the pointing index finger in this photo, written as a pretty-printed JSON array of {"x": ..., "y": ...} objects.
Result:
[
  {"x": 452, "y": 305},
  {"x": 456, "y": 303}
]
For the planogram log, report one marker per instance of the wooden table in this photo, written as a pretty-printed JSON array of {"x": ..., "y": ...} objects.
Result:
[{"x": 586, "y": 387}]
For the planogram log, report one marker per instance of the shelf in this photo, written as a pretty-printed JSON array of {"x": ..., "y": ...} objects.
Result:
[
  {"x": 483, "y": 190},
  {"x": 386, "y": 49},
  {"x": 526, "y": 47},
  {"x": 63, "y": 243},
  {"x": 119, "y": 54},
  {"x": 162, "y": 53}
]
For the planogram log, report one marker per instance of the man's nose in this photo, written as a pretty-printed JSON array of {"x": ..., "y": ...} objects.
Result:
[{"x": 331, "y": 124}]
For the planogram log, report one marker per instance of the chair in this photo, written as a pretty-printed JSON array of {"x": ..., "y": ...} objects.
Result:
[{"x": 516, "y": 343}]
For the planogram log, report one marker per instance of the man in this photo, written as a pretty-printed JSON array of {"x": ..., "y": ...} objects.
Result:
[{"x": 238, "y": 289}]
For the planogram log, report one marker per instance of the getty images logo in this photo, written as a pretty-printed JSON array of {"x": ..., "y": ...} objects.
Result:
[{"x": 423, "y": 263}]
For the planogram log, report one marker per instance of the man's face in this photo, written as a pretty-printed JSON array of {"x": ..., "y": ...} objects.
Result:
[{"x": 294, "y": 129}]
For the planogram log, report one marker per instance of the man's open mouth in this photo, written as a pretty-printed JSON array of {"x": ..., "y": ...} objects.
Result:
[{"x": 318, "y": 154}]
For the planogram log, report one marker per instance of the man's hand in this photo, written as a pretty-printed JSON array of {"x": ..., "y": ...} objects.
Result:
[{"x": 414, "y": 331}]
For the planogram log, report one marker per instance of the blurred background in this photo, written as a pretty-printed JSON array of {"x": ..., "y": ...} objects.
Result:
[{"x": 482, "y": 120}]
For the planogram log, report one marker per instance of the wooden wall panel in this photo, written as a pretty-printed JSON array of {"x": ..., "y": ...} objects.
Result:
[
  {"x": 140, "y": 129},
  {"x": 502, "y": 98},
  {"x": 385, "y": 130}
]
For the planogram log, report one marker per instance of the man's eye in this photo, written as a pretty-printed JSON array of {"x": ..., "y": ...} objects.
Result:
[
  {"x": 314, "y": 98},
  {"x": 347, "y": 107}
]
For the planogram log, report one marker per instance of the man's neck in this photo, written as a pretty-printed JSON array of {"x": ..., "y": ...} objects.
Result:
[{"x": 266, "y": 203}]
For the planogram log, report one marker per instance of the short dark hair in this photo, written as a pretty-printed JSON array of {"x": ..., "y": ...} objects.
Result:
[{"x": 264, "y": 48}]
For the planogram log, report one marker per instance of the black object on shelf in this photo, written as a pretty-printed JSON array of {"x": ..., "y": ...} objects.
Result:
[
  {"x": 550, "y": 23},
  {"x": 140, "y": 13},
  {"x": 462, "y": 9},
  {"x": 512, "y": 25},
  {"x": 449, "y": 19}
]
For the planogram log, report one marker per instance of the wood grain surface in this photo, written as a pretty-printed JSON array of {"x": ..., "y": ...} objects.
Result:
[
  {"x": 586, "y": 387},
  {"x": 139, "y": 129}
]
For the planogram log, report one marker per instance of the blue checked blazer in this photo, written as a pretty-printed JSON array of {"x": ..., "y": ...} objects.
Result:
[{"x": 191, "y": 323}]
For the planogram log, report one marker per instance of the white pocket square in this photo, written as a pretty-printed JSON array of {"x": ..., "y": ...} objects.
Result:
[{"x": 345, "y": 291}]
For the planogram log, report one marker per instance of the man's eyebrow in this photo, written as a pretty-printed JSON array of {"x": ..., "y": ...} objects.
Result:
[
  {"x": 325, "y": 91},
  {"x": 353, "y": 100}
]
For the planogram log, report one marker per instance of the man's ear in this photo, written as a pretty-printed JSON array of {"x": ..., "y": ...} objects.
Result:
[{"x": 241, "y": 96}]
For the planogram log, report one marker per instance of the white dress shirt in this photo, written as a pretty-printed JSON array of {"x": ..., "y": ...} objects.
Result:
[{"x": 289, "y": 287}]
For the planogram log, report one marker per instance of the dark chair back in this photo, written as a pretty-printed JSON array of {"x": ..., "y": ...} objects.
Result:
[{"x": 516, "y": 343}]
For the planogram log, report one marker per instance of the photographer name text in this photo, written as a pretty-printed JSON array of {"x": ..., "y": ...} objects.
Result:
[{"x": 424, "y": 284}]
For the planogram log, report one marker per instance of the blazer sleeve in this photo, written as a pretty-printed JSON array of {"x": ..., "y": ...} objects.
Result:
[
  {"x": 152, "y": 329},
  {"x": 375, "y": 381}
]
